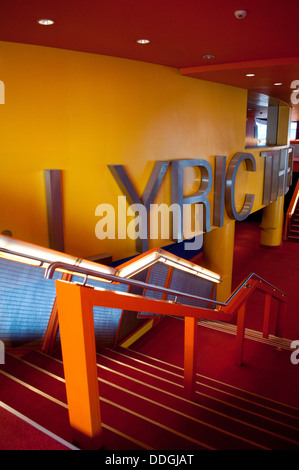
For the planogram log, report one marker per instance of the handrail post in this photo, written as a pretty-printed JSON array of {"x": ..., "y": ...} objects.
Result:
[
  {"x": 190, "y": 356},
  {"x": 266, "y": 323},
  {"x": 78, "y": 347},
  {"x": 240, "y": 334},
  {"x": 52, "y": 328},
  {"x": 290, "y": 210}
]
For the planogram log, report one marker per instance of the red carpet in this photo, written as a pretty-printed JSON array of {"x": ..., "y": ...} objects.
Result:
[
  {"x": 279, "y": 266},
  {"x": 21, "y": 434},
  {"x": 142, "y": 401},
  {"x": 141, "y": 394},
  {"x": 266, "y": 370}
]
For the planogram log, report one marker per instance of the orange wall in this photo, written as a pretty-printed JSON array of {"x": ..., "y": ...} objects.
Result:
[{"x": 79, "y": 112}]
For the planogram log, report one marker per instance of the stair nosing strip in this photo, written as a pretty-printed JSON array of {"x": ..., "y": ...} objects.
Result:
[
  {"x": 199, "y": 393},
  {"x": 143, "y": 362},
  {"x": 231, "y": 386},
  {"x": 155, "y": 423},
  {"x": 141, "y": 371},
  {"x": 158, "y": 404},
  {"x": 232, "y": 395},
  {"x": 60, "y": 403},
  {"x": 198, "y": 405},
  {"x": 204, "y": 423},
  {"x": 267, "y": 418},
  {"x": 38, "y": 426},
  {"x": 220, "y": 382}
]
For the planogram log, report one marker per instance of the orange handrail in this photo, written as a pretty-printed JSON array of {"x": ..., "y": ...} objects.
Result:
[
  {"x": 75, "y": 310},
  {"x": 290, "y": 211}
]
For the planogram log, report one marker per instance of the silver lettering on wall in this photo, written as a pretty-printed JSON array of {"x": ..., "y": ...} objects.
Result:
[
  {"x": 277, "y": 173},
  {"x": 148, "y": 197},
  {"x": 219, "y": 191},
  {"x": 230, "y": 186},
  {"x": 177, "y": 195},
  {"x": 277, "y": 180}
]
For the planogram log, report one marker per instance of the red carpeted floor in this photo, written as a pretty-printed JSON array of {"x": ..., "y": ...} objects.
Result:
[
  {"x": 142, "y": 399},
  {"x": 254, "y": 406},
  {"x": 24, "y": 434},
  {"x": 267, "y": 370},
  {"x": 279, "y": 266}
]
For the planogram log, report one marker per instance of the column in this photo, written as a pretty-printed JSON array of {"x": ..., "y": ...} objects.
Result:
[
  {"x": 218, "y": 253},
  {"x": 272, "y": 223}
]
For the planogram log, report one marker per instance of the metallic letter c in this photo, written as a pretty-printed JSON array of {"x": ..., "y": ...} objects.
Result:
[{"x": 230, "y": 186}]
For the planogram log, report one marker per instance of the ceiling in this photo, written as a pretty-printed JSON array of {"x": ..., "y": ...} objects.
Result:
[{"x": 181, "y": 32}]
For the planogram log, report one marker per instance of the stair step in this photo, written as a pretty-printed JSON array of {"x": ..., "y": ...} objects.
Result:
[
  {"x": 143, "y": 405},
  {"x": 202, "y": 381},
  {"x": 35, "y": 405},
  {"x": 208, "y": 404},
  {"x": 21, "y": 433},
  {"x": 293, "y": 238},
  {"x": 45, "y": 379},
  {"x": 161, "y": 405},
  {"x": 214, "y": 397}
]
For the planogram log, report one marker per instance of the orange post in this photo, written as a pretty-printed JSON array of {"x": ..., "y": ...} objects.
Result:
[
  {"x": 190, "y": 356},
  {"x": 268, "y": 298},
  {"x": 77, "y": 335},
  {"x": 75, "y": 311},
  {"x": 52, "y": 328},
  {"x": 240, "y": 334}
]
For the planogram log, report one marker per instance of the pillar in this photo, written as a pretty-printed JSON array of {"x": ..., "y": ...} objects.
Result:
[
  {"x": 76, "y": 323},
  {"x": 272, "y": 223},
  {"x": 218, "y": 252}
]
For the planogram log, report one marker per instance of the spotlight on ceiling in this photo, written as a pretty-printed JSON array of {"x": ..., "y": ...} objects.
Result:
[
  {"x": 45, "y": 21},
  {"x": 143, "y": 41},
  {"x": 240, "y": 14},
  {"x": 277, "y": 83},
  {"x": 208, "y": 56},
  {"x": 250, "y": 75}
]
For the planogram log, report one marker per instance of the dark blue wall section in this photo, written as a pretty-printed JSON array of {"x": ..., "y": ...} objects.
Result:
[
  {"x": 193, "y": 285},
  {"x": 106, "y": 320},
  {"x": 181, "y": 281},
  {"x": 27, "y": 298},
  {"x": 26, "y": 302}
]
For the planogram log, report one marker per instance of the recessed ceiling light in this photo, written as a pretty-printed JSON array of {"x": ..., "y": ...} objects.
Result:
[
  {"x": 277, "y": 84},
  {"x": 45, "y": 22},
  {"x": 240, "y": 14},
  {"x": 208, "y": 56},
  {"x": 143, "y": 41},
  {"x": 250, "y": 74}
]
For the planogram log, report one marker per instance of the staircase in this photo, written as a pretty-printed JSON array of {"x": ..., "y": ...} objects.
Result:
[
  {"x": 142, "y": 407},
  {"x": 293, "y": 234},
  {"x": 291, "y": 225}
]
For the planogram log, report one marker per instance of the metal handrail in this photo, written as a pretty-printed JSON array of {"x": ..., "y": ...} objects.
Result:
[
  {"x": 261, "y": 279},
  {"x": 132, "y": 282},
  {"x": 290, "y": 210},
  {"x": 70, "y": 303}
]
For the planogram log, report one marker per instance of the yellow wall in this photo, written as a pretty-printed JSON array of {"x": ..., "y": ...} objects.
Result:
[{"x": 80, "y": 112}]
